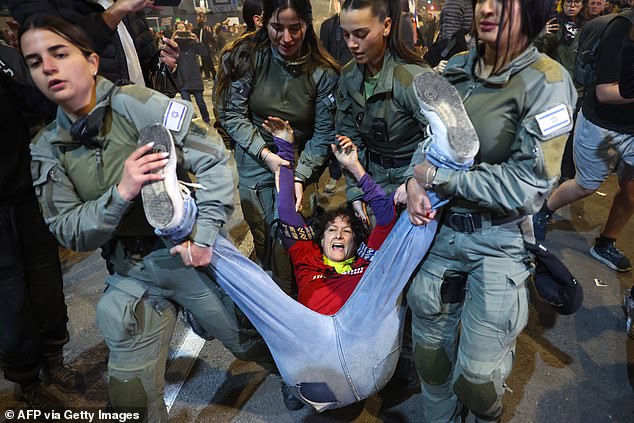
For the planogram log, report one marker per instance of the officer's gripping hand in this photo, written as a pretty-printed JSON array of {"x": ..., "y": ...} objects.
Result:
[
  {"x": 279, "y": 128},
  {"x": 137, "y": 171},
  {"x": 193, "y": 254},
  {"x": 359, "y": 211},
  {"x": 418, "y": 204},
  {"x": 400, "y": 195}
]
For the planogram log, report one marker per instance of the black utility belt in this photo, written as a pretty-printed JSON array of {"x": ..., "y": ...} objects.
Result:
[
  {"x": 389, "y": 162},
  {"x": 138, "y": 247},
  {"x": 471, "y": 222}
]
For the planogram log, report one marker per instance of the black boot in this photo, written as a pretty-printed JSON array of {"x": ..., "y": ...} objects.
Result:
[
  {"x": 38, "y": 398},
  {"x": 197, "y": 328},
  {"x": 291, "y": 402},
  {"x": 67, "y": 379}
]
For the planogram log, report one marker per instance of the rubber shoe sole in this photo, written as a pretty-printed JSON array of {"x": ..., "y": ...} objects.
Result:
[
  {"x": 608, "y": 263},
  {"x": 437, "y": 96},
  {"x": 162, "y": 200}
]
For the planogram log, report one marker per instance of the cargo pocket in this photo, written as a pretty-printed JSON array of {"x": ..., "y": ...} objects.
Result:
[
  {"x": 424, "y": 294},
  {"x": 120, "y": 311},
  {"x": 517, "y": 314}
]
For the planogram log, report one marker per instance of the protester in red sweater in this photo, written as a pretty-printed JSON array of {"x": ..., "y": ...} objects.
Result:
[{"x": 329, "y": 258}]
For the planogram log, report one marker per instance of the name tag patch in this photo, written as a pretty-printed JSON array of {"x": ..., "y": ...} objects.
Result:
[
  {"x": 553, "y": 119},
  {"x": 174, "y": 116}
]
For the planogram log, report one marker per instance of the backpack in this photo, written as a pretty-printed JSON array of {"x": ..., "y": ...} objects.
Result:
[{"x": 585, "y": 72}]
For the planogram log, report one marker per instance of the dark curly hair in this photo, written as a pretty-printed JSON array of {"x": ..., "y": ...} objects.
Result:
[{"x": 320, "y": 223}]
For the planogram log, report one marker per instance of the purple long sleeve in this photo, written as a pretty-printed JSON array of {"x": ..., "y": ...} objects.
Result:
[
  {"x": 285, "y": 150},
  {"x": 286, "y": 198},
  {"x": 382, "y": 205}
]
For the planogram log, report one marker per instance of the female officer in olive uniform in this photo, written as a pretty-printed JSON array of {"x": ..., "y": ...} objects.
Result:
[
  {"x": 376, "y": 104},
  {"x": 280, "y": 71},
  {"x": 88, "y": 172},
  {"x": 470, "y": 300}
]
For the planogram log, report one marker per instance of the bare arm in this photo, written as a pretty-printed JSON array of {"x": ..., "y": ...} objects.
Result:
[{"x": 609, "y": 94}]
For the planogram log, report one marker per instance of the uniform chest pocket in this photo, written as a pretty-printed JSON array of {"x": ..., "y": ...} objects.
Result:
[{"x": 344, "y": 108}]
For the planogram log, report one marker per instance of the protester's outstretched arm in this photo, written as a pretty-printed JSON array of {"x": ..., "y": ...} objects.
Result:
[{"x": 284, "y": 175}]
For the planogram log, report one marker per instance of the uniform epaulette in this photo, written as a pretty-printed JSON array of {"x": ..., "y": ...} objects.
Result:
[
  {"x": 137, "y": 92},
  {"x": 552, "y": 70},
  {"x": 404, "y": 73},
  {"x": 348, "y": 67}
]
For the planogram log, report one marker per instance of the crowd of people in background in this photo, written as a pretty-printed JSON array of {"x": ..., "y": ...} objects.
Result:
[{"x": 357, "y": 84}]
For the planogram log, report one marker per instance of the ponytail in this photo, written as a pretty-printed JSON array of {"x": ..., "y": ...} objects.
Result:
[{"x": 383, "y": 9}]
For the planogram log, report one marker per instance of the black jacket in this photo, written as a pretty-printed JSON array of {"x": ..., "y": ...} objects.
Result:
[
  {"x": 626, "y": 77},
  {"x": 87, "y": 15},
  {"x": 332, "y": 38},
  {"x": 188, "y": 76},
  {"x": 20, "y": 106}
]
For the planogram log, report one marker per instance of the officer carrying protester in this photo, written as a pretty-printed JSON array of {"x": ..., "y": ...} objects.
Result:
[{"x": 88, "y": 174}]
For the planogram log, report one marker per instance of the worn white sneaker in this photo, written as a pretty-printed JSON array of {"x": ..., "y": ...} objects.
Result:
[
  {"x": 162, "y": 200},
  {"x": 450, "y": 125}
]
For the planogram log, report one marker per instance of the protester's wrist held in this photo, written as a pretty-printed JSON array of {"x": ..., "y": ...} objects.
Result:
[{"x": 411, "y": 178}]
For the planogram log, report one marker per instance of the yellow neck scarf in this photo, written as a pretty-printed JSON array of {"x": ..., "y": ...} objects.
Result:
[{"x": 340, "y": 266}]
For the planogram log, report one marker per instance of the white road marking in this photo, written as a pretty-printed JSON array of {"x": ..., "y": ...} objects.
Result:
[{"x": 181, "y": 365}]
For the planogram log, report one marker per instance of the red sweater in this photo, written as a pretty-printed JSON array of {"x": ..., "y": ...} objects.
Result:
[{"x": 320, "y": 287}]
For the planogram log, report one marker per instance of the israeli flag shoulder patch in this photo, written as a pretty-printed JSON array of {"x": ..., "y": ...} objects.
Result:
[
  {"x": 174, "y": 116},
  {"x": 553, "y": 119}
]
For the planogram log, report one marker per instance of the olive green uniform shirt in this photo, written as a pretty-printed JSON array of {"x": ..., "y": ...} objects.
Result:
[
  {"x": 522, "y": 116},
  {"x": 387, "y": 123},
  {"x": 285, "y": 89},
  {"x": 77, "y": 184}
]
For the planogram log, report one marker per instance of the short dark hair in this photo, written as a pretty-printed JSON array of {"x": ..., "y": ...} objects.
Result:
[
  {"x": 251, "y": 8},
  {"x": 359, "y": 230},
  {"x": 71, "y": 33}
]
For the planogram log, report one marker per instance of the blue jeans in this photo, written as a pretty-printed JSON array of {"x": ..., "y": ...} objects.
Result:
[
  {"x": 331, "y": 361},
  {"x": 200, "y": 101}
]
